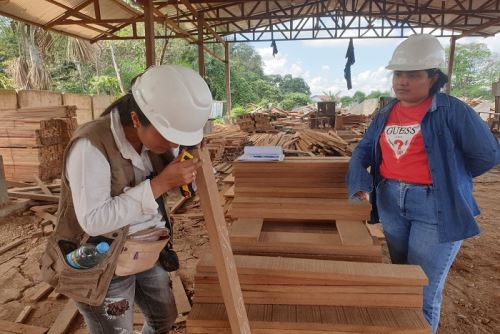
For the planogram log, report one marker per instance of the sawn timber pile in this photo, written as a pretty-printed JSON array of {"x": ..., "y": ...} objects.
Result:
[{"x": 32, "y": 141}]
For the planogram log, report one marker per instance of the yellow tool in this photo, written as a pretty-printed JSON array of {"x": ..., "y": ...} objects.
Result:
[{"x": 187, "y": 190}]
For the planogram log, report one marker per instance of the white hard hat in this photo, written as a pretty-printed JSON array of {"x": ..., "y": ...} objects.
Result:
[
  {"x": 417, "y": 52},
  {"x": 176, "y": 100}
]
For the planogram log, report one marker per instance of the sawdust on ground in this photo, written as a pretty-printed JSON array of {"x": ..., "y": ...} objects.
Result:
[{"x": 470, "y": 302}]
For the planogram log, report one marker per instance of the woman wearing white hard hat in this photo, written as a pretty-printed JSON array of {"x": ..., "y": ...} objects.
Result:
[
  {"x": 423, "y": 150},
  {"x": 117, "y": 170}
]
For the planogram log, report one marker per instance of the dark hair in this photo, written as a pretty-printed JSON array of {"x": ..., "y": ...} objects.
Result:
[
  {"x": 125, "y": 105},
  {"x": 440, "y": 82}
]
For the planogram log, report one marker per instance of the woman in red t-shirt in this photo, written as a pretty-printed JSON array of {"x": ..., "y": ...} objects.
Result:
[{"x": 406, "y": 198}]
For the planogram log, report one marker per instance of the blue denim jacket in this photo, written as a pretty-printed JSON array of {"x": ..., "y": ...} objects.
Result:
[{"x": 459, "y": 146}]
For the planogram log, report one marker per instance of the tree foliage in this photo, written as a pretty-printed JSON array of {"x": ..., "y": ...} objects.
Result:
[{"x": 474, "y": 69}]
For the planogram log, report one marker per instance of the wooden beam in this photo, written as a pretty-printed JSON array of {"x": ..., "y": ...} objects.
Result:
[
  {"x": 24, "y": 314},
  {"x": 12, "y": 327},
  {"x": 11, "y": 245},
  {"x": 451, "y": 60},
  {"x": 196, "y": 14},
  {"x": 149, "y": 32},
  {"x": 201, "y": 55},
  {"x": 220, "y": 245},
  {"x": 64, "y": 319},
  {"x": 36, "y": 197},
  {"x": 228, "y": 79}
]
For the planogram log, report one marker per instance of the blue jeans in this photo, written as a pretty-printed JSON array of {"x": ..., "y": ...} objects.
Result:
[
  {"x": 409, "y": 218},
  {"x": 150, "y": 289}
]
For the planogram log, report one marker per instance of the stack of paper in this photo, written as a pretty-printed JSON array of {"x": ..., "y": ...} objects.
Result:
[{"x": 262, "y": 153}]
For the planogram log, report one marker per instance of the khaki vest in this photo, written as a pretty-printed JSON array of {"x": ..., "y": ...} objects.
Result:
[{"x": 89, "y": 286}]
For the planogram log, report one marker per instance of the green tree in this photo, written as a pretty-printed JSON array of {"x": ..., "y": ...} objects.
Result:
[
  {"x": 474, "y": 69},
  {"x": 376, "y": 94},
  {"x": 293, "y": 100},
  {"x": 358, "y": 97},
  {"x": 289, "y": 84},
  {"x": 345, "y": 101}
]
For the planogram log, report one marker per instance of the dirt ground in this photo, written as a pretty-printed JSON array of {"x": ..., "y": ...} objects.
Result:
[{"x": 470, "y": 302}]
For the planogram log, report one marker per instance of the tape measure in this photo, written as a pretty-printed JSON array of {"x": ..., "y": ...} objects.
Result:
[{"x": 187, "y": 190}]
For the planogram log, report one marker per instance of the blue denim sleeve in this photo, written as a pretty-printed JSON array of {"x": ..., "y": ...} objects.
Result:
[
  {"x": 358, "y": 178},
  {"x": 480, "y": 147}
]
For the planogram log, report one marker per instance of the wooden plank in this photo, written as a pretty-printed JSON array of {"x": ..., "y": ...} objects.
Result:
[
  {"x": 229, "y": 179},
  {"x": 289, "y": 319},
  {"x": 8, "y": 99},
  {"x": 64, "y": 319},
  {"x": 100, "y": 103},
  {"x": 299, "y": 208},
  {"x": 376, "y": 230},
  {"x": 178, "y": 205},
  {"x": 11, "y": 245},
  {"x": 54, "y": 295},
  {"x": 12, "y": 327},
  {"x": 327, "y": 289},
  {"x": 181, "y": 300},
  {"x": 24, "y": 314},
  {"x": 230, "y": 192},
  {"x": 34, "y": 196},
  {"x": 220, "y": 245},
  {"x": 246, "y": 229},
  {"x": 353, "y": 233},
  {"x": 43, "y": 289},
  {"x": 300, "y": 298},
  {"x": 38, "y": 98},
  {"x": 43, "y": 186},
  {"x": 83, "y": 105},
  {"x": 329, "y": 271},
  {"x": 46, "y": 215}
]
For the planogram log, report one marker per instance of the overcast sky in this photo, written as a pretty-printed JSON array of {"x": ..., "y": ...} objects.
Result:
[{"x": 321, "y": 62}]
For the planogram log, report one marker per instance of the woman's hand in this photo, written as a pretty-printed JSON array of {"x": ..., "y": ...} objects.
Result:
[
  {"x": 175, "y": 174},
  {"x": 362, "y": 195}
]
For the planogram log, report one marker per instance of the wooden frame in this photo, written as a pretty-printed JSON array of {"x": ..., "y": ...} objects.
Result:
[{"x": 341, "y": 240}]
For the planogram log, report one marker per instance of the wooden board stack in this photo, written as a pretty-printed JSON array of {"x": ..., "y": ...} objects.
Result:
[
  {"x": 312, "y": 141},
  {"x": 314, "y": 296},
  {"x": 33, "y": 136},
  {"x": 299, "y": 208},
  {"x": 255, "y": 122},
  {"x": 311, "y": 188}
]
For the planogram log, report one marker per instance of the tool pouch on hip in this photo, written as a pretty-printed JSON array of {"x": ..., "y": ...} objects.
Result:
[{"x": 141, "y": 251}]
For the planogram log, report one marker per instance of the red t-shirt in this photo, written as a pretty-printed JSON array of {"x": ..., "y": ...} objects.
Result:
[{"x": 403, "y": 152}]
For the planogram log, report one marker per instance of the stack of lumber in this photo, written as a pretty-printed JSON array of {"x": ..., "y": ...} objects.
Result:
[
  {"x": 226, "y": 143},
  {"x": 316, "y": 142},
  {"x": 291, "y": 281},
  {"x": 32, "y": 141},
  {"x": 351, "y": 119},
  {"x": 299, "y": 207},
  {"x": 294, "y": 295},
  {"x": 310, "y": 188},
  {"x": 246, "y": 123},
  {"x": 258, "y": 122}
]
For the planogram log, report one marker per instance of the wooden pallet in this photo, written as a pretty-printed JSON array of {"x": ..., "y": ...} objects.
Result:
[{"x": 341, "y": 240}]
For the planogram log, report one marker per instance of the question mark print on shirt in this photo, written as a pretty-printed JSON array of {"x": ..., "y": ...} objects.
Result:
[{"x": 399, "y": 137}]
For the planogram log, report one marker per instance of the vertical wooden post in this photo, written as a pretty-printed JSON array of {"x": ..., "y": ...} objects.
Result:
[
  {"x": 451, "y": 60},
  {"x": 4, "y": 197},
  {"x": 228, "y": 80},
  {"x": 149, "y": 32},
  {"x": 220, "y": 245},
  {"x": 201, "y": 54}
]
